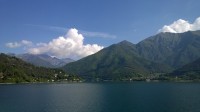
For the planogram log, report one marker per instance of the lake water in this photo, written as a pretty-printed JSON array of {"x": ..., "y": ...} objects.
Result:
[{"x": 101, "y": 97}]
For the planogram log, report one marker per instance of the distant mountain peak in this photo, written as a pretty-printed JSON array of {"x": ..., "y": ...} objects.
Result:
[
  {"x": 44, "y": 60},
  {"x": 124, "y": 42}
]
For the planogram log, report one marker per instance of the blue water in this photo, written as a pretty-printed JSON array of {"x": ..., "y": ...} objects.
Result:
[{"x": 101, "y": 97}]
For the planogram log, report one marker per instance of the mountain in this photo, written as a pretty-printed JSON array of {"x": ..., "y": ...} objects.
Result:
[
  {"x": 189, "y": 71},
  {"x": 173, "y": 49},
  {"x": 157, "y": 54},
  {"x": 44, "y": 60},
  {"x": 67, "y": 60},
  {"x": 13, "y": 69},
  {"x": 117, "y": 62}
]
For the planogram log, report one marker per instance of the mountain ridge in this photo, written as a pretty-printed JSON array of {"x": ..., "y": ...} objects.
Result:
[
  {"x": 175, "y": 49},
  {"x": 160, "y": 53},
  {"x": 118, "y": 61}
]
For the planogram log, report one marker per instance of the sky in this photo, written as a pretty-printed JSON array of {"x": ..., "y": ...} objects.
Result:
[{"x": 78, "y": 28}]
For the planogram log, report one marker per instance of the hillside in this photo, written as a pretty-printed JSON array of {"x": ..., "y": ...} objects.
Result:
[
  {"x": 117, "y": 62},
  {"x": 189, "y": 71},
  {"x": 15, "y": 70}
]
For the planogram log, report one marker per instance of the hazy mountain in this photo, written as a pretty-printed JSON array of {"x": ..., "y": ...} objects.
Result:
[
  {"x": 44, "y": 60},
  {"x": 67, "y": 60},
  {"x": 119, "y": 61},
  {"x": 158, "y": 53},
  {"x": 174, "y": 49}
]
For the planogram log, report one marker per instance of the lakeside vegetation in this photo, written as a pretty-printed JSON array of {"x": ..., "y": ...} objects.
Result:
[{"x": 14, "y": 70}]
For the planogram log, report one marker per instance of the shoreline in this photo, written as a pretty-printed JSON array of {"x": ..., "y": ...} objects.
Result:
[{"x": 155, "y": 81}]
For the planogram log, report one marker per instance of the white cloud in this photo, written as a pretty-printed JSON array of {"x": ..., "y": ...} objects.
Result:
[
  {"x": 26, "y": 43},
  {"x": 19, "y": 44},
  {"x": 71, "y": 45},
  {"x": 181, "y": 26},
  {"x": 13, "y": 45}
]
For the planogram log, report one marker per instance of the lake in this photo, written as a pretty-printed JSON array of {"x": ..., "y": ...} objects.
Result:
[{"x": 101, "y": 97}]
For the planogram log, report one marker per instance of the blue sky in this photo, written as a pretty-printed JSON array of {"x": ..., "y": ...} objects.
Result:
[{"x": 101, "y": 22}]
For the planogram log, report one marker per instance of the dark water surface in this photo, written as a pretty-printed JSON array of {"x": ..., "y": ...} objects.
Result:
[{"x": 101, "y": 97}]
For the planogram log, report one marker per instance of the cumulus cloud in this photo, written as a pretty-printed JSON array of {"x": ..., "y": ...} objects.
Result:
[
  {"x": 18, "y": 44},
  {"x": 71, "y": 45},
  {"x": 181, "y": 26}
]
